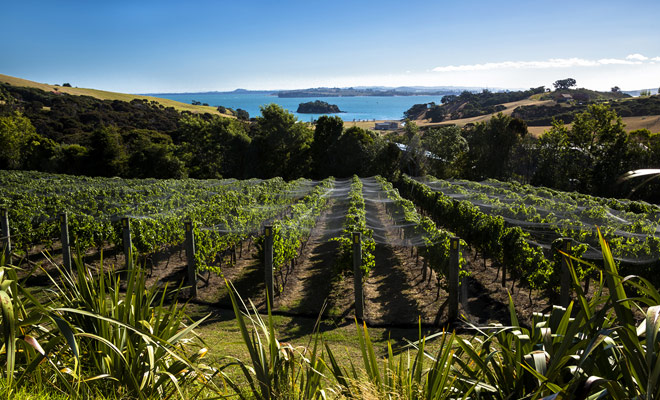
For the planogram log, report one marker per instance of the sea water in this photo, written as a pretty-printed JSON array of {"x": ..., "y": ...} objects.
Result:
[{"x": 357, "y": 108}]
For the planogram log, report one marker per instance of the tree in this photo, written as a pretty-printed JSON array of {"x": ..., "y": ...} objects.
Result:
[
  {"x": 107, "y": 156},
  {"x": 327, "y": 133},
  {"x": 242, "y": 114},
  {"x": 446, "y": 144},
  {"x": 214, "y": 148},
  {"x": 491, "y": 145},
  {"x": 151, "y": 155},
  {"x": 354, "y": 152},
  {"x": 563, "y": 84},
  {"x": 416, "y": 111},
  {"x": 15, "y": 131},
  {"x": 616, "y": 89},
  {"x": 282, "y": 144},
  {"x": 410, "y": 128},
  {"x": 414, "y": 159},
  {"x": 589, "y": 156}
]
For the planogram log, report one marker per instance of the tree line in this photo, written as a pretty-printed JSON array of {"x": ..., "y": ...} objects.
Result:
[{"x": 86, "y": 136}]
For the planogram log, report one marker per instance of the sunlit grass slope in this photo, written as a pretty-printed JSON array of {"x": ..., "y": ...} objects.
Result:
[{"x": 105, "y": 95}]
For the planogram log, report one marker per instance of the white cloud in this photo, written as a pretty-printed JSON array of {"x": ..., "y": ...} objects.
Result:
[
  {"x": 617, "y": 61},
  {"x": 655, "y": 59},
  {"x": 633, "y": 59},
  {"x": 637, "y": 57}
]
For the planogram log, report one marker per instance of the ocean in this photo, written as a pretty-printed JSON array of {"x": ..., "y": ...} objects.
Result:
[{"x": 355, "y": 108}]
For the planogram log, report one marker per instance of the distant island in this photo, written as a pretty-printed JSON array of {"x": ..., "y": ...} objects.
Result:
[
  {"x": 317, "y": 107},
  {"x": 369, "y": 91}
]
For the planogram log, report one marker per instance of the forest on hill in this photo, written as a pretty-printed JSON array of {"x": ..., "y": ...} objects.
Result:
[{"x": 82, "y": 135}]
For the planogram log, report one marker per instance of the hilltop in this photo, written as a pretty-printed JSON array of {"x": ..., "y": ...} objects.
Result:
[
  {"x": 537, "y": 107},
  {"x": 106, "y": 95}
]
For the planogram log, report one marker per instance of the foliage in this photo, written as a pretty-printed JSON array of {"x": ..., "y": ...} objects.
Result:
[
  {"x": 490, "y": 147},
  {"x": 15, "y": 131},
  {"x": 563, "y": 84},
  {"x": 242, "y": 114},
  {"x": 469, "y": 104},
  {"x": 447, "y": 145},
  {"x": 83, "y": 337},
  {"x": 486, "y": 232},
  {"x": 282, "y": 143},
  {"x": 213, "y": 148},
  {"x": 356, "y": 222},
  {"x": 317, "y": 107},
  {"x": 587, "y": 157},
  {"x": 275, "y": 370}
]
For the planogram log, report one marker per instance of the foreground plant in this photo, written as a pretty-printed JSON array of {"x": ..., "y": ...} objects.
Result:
[
  {"x": 87, "y": 336},
  {"x": 411, "y": 374},
  {"x": 275, "y": 370}
]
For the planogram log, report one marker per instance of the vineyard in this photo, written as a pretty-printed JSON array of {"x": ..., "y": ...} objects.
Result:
[
  {"x": 388, "y": 252},
  {"x": 87, "y": 262}
]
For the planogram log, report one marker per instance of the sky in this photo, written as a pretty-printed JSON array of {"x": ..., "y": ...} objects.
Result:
[{"x": 143, "y": 46}]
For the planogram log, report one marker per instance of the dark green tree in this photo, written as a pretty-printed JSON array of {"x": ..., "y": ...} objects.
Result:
[
  {"x": 107, "y": 156},
  {"x": 564, "y": 84},
  {"x": 354, "y": 152},
  {"x": 491, "y": 145},
  {"x": 327, "y": 132},
  {"x": 215, "y": 147},
  {"x": 282, "y": 144},
  {"x": 590, "y": 156},
  {"x": 242, "y": 114},
  {"x": 15, "y": 129},
  {"x": 446, "y": 144}
]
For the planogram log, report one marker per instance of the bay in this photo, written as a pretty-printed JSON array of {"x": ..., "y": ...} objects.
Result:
[{"x": 357, "y": 108}]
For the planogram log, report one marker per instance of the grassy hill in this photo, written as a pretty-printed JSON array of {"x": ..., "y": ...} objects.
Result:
[
  {"x": 539, "y": 109},
  {"x": 105, "y": 95}
]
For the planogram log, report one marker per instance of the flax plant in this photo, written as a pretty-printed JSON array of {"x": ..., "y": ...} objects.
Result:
[
  {"x": 135, "y": 342},
  {"x": 276, "y": 370}
]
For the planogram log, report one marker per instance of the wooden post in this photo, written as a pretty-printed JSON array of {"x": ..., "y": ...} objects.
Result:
[
  {"x": 268, "y": 263},
  {"x": 357, "y": 275},
  {"x": 565, "y": 291},
  {"x": 190, "y": 256},
  {"x": 6, "y": 240},
  {"x": 503, "y": 274},
  {"x": 66, "y": 246},
  {"x": 506, "y": 226},
  {"x": 464, "y": 288},
  {"x": 128, "y": 244},
  {"x": 454, "y": 252}
]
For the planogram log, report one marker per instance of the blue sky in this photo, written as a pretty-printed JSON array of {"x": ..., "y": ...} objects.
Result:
[{"x": 177, "y": 46}]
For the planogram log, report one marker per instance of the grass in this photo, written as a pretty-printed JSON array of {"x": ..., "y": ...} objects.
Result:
[
  {"x": 223, "y": 337},
  {"x": 106, "y": 95}
]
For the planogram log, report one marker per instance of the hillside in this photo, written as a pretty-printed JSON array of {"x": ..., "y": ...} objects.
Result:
[
  {"x": 537, "y": 108},
  {"x": 105, "y": 95}
]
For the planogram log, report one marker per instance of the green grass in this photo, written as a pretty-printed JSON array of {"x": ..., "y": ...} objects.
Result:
[{"x": 223, "y": 338}]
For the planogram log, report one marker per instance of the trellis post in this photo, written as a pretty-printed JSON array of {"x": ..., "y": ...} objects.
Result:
[
  {"x": 6, "y": 240},
  {"x": 190, "y": 256},
  {"x": 357, "y": 275},
  {"x": 127, "y": 242},
  {"x": 66, "y": 246},
  {"x": 268, "y": 263},
  {"x": 565, "y": 291},
  {"x": 454, "y": 252}
]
